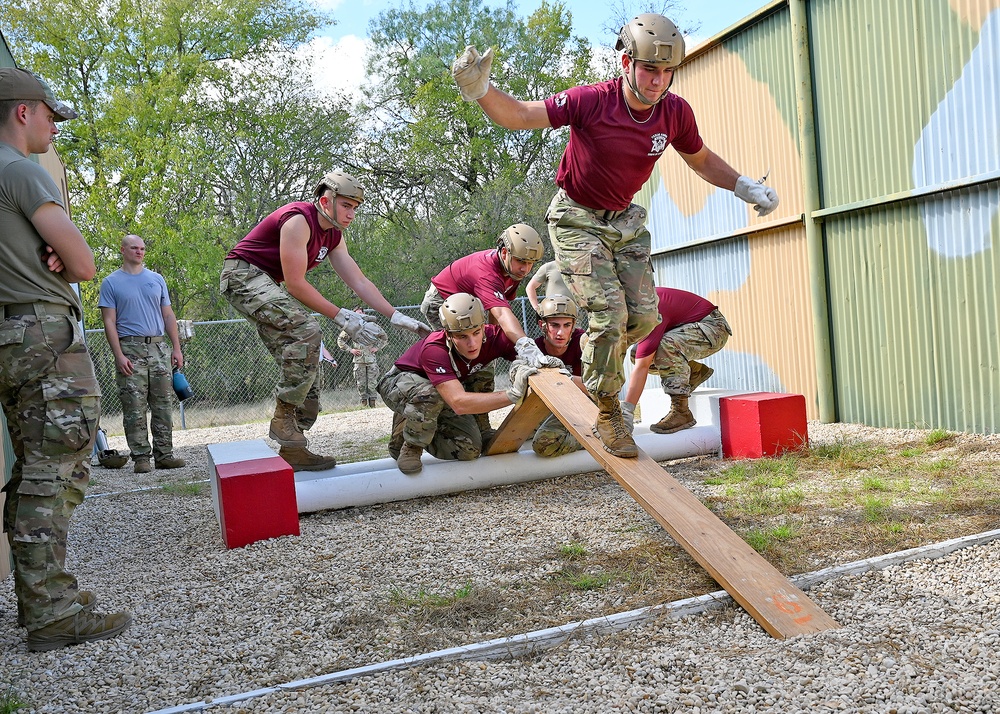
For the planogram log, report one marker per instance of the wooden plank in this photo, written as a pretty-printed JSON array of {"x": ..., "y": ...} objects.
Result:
[
  {"x": 519, "y": 426},
  {"x": 781, "y": 608}
]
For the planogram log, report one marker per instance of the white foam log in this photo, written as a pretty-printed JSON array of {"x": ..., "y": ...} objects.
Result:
[{"x": 369, "y": 482}]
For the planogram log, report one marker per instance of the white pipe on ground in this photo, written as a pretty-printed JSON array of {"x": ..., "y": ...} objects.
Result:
[{"x": 369, "y": 482}]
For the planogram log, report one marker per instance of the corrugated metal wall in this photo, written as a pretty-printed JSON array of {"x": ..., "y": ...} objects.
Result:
[{"x": 907, "y": 110}]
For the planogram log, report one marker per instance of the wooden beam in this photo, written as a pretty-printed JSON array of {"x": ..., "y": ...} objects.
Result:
[
  {"x": 519, "y": 426},
  {"x": 781, "y": 608}
]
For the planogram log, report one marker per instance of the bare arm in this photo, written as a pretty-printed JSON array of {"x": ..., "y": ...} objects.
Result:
[
  {"x": 351, "y": 274},
  {"x": 70, "y": 256},
  {"x": 463, "y": 402},
  {"x": 712, "y": 168},
  {"x": 294, "y": 259},
  {"x": 512, "y": 113},
  {"x": 637, "y": 380},
  {"x": 531, "y": 289},
  {"x": 109, "y": 316},
  {"x": 170, "y": 325},
  {"x": 507, "y": 320}
]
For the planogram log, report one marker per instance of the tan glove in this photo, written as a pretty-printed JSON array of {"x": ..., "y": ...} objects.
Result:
[
  {"x": 764, "y": 198},
  {"x": 472, "y": 73},
  {"x": 519, "y": 373}
]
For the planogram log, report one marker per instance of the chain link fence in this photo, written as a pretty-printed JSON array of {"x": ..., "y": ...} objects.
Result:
[{"x": 233, "y": 375}]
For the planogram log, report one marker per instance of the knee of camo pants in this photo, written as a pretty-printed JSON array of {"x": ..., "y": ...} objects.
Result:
[
  {"x": 417, "y": 400},
  {"x": 299, "y": 357},
  {"x": 429, "y": 307},
  {"x": 457, "y": 437},
  {"x": 673, "y": 367},
  {"x": 602, "y": 359},
  {"x": 553, "y": 439}
]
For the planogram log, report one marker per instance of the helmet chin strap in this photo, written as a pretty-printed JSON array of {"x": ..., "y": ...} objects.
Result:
[
  {"x": 505, "y": 266},
  {"x": 327, "y": 216}
]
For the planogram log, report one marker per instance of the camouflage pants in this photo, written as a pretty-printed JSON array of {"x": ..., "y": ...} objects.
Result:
[
  {"x": 148, "y": 388},
  {"x": 552, "y": 438},
  {"x": 430, "y": 306},
  {"x": 607, "y": 269},
  {"x": 51, "y": 400},
  {"x": 366, "y": 375},
  {"x": 289, "y": 332},
  {"x": 430, "y": 422},
  {"x": 692, "y": 341}
]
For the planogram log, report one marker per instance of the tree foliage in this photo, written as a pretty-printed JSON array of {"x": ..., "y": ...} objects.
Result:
[
  {"x": 452, "y": 179},
  {"x": 187, "y": 131}
]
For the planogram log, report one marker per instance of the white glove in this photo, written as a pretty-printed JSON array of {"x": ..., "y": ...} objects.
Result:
[
  {"x": 472, "y": 73},
  {"x": 400, "y": 320},
  {"x": 628, "y": 415},
  {"x": 528, "y": 352},
  {"x": 519, "y": 373},
  {"x": 361, "y": 328},
  {"x": 764, "y": 198}
]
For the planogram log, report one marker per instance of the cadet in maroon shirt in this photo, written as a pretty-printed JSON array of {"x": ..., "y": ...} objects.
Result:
[
  {"x": 427, "y": 387},
  {"x": 563, "y": 339},
  {"x": 618, "y": 130},
  {"x": 691, "y": 328}
]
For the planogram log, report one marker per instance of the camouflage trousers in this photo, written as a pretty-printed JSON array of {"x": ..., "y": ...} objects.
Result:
[
  {"x": 684, "y": 343},
  {"x": 51, "y": 400},
  {"x": 430, "y": 307},
  {"x": 430, "y": 422},
  {"x": 606, "y": 266},
  {"x": 149, "y": 388},
  {"x": 552, "y": 438},
  {"x": 289, "y": 332},
  {"x": 366, "y": 375}
]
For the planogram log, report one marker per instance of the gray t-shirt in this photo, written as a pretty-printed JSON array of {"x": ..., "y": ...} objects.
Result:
[
  {"x": 24, "y": 277},
  {"x": 137, "y": 300}
]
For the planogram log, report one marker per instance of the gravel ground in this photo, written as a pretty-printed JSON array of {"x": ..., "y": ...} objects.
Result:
[{"x": 366, "y": 585}]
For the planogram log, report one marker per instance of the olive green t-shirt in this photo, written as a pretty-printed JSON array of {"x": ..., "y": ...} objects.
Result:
[{"x": 24, "y": 277}]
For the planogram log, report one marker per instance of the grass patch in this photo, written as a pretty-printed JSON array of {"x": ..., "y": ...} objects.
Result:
[
  {"x": 572, "y": 551},
  {"x": 587, "y": 581},
  {"x": 872, "y": 482},
  {"x": 10, "y": 701},
  {"x": 847, "y": 455},
  {"x": 938, "y": 436},
  {"x": 875, "y": 509},
  {"x": 184, "y": 489}
]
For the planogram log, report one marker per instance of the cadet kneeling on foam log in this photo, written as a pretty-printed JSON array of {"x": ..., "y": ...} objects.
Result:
[{"x": 433, "y": 388}]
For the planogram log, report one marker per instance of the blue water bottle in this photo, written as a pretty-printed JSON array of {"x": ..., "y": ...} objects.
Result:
[{"x": 181, "y": 386}]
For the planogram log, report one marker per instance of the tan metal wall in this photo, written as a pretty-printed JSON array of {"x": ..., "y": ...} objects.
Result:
[{"x": 907, "y": 151}]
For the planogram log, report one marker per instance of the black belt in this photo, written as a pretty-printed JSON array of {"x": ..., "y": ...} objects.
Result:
[
  {"x": 606, "y": 216},
  {"x": 236, "y": 264},
  {"x": 33, "y": 308},
  {"x": 140, "y": 338}
]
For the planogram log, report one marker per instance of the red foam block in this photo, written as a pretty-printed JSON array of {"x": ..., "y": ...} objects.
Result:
[
  {"x": 254, "y": 493},
  {"x": 762, "y": 424}
]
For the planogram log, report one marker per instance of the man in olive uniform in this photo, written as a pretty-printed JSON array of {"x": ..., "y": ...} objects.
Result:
[
  {"x": 366, "y": 371},
  {"x": 47, "y": 385}
]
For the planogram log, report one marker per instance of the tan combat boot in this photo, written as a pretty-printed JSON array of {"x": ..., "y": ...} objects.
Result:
[
  {"x": 699, "y": 374},
  {"x": 170, "y": 462},
  {"x": 409, "y": 459},
  {"x": 396, "y": 440},
  {"x": 84, "y": 626},
  {"x": 302, "y": 459},
  {"x": 284, "y": 428},
  {"x": 679, "y": 417},
  {"x": 610, "y": 428},
  {"x": 142, "y": 465}
]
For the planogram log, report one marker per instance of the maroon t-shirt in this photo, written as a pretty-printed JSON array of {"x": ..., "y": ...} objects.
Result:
[
  {"x": 261, "y": 246},
  {"x": 610, "y": 155},
  {"x": 480, "y": 274},
  {"x": 676, "y": 307},
  {"x": 430, "y": 357},
  {"x": 572, "y": 357}
]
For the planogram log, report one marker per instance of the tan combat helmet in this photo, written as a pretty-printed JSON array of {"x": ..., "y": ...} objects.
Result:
[
  {"x": 650, "y": 38},
  {"x": 342, "y": 185},
  {"x": 461, "y": 312},
  {"x": 557, "y": 306},
  {"x": 522, "y": 242}
]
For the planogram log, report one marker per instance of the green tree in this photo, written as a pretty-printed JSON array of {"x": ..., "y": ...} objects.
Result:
[
  {"x": 160, "y": 86},
  {"x": 451, "y": 180}
]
